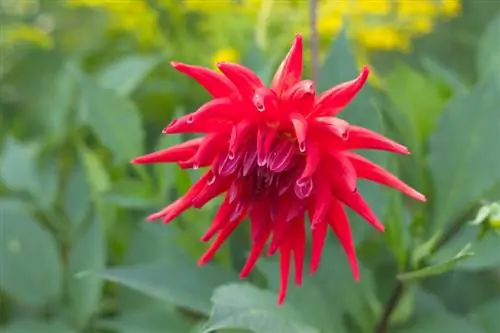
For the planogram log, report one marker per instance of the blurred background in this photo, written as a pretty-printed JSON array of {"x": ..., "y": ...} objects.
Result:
[{"x": 86, "y": 86}]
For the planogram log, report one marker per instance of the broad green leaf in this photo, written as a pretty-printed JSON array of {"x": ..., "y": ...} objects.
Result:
[
  {"x": 35, "y": 326},
  {"x": 14, "y": 205},
  {"x": 438, "y": 268},
  {"x": 485, "y": 250},
  {"x": 461, "y": 157},
  {"x": 405, "y": 88},
  {"x": 47, "y": 185},
  {"x": 29, "y": 259},
  {"x": 486, "y": 317},
  {"x": 88, "y": 254},
  {"x": 488, "y": 49},
  {"x": 56, "y": 102},
  {"x": 247, "y": 307},
  {"x": 150, "y": 242},
  {"x": 114, "y": 119},
  {"x": 432, "y": 317},
  {"x": 444, "y": 75},
  {"x": 257, "y": 60},
  {"x": 130, "y": 193},
  {"x": 96, "y": 174},
  {"x": 151, "y": 319},
  {"x": 175, "y": 279},
  {"x": 76, "y": 200},
  {"x": 127, "y": 73},
  {"x": 18, "y": 165}
]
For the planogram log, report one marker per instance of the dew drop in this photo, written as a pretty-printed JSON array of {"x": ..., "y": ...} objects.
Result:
[
  {"x": 196, "y": 166},
  {"x": 231, "y": 155},
  {"x": 260, "y": 107},
  {"x": 302, "y": 146},
  {"x": 212, "y": 179},
  {"x": 190, "y": 120}
]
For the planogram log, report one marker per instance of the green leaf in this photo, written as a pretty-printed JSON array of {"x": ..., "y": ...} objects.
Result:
[
  {"x": 14, "y": 205},
  {"x": 176, "y": 279},
  {"x": 461, "y": 159},
  {"x": 76, "y": 201},
  {"x": 56, "y": 102},
  {"x": 97, "y": 176},
  {"x": 151, "y": 319},
  {"x": 18, "y": 165},
  {"x": 114, "y": 119},
  {"x": 125, "y": 74},
  {"x": 47, "y": 185},
  {"x": 88, "y": 254},
  {"x": 485, "y": 250},
  {"x": 488, "y": 49},
  {"x": 29, "y": 259},
  {"x": 247, "y": 307},
  {"x": 130, "y": 193},
  {"x": 34, "y": 326},
  {"x": 486, "y": 317},
  {"x": 432, "y": 317},
  {"x": 444, "y": 75},
  {"x": 405, "y": 88},
  {"x": 396, "y": 228},
  {"x": 437, "y": 269}
]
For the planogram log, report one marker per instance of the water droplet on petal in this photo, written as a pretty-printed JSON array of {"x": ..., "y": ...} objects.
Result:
[
  {"x": 212, "y": 179},
  {"x": 190, "y": 120},
  {"x": 260, "y": 107},
  {"x": 303, "y": 188},
  {"x": 231, "y": 155},
  {"x": 196, "y": 166},
  {"x": 302, "y": 146}
]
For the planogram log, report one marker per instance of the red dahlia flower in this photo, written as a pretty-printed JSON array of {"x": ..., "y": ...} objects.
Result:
[{"x": 276, "y": 154}]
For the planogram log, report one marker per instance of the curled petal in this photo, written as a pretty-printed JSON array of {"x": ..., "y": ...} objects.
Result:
[
  {"x": 362, "y": 138},
  {"x": 239, "y": 134},
  {"x": 281, "y": 158},
  {"x": 339, "y": 223},
  {"x": 265, "y": 138},
  {"x": 320, "y": 202},
  {"x": 265, "y": 101},
  {"x": 313, "y": 157},
  {"x": 215, "y": 187},
  {"x": 300, "y": 127},
  {"x": 290, "y": 70},
  {"x": 215, "y": 83},
  {"x": 180, "y": 152},
  {"x": 332, "y": 101},
  {"x": 300, "y": 97},
  {"x": 342, "y": 168},
  {"x": 208, "y": 149},
  {"x": 243, "y": 78},
  {"x": 366, "y": 169}
]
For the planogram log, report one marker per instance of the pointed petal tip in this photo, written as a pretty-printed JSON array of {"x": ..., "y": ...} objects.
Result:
[
  {"x": 154, "y": 217},
  {"x": 175, "y": 64}
]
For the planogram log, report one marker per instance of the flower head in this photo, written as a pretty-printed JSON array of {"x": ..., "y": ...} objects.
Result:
[{"x": 276, "y": 154}]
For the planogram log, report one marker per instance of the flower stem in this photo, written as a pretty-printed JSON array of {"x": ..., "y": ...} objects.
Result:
[{"x": 313, "y": 27}]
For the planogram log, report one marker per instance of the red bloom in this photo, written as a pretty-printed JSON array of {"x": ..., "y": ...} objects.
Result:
[{"x": 276, "y": 154}]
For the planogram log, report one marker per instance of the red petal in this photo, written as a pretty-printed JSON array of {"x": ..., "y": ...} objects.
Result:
[
  {"x": 221, "y": 238},
  {"x": 332, "y": 101},
  {"x": 180, "y": 205},
  {"x": 215, "y": 187},
  {"x": 208, "y": 149},
  {"x": 257, "y": 247},
  {"x": 290, "y": 70},
  {"x": 215, "y": 83},
  {"x": 242, "y": 77},
  {"x": 362, "y": 138},
  {"x": 320, "y": 202},
  {"x": 282, "y": 156},
  {"x": 313, "y": 157},
  {"x": 368, "y": 170},
  {"x": 180, "y": 152},
  {"x": 342, "y": 167},
  {"x": 340, "y": 225},
  {"x": 221, "y": 109},
  {"x": 336, "y": 126},
  {"x": 298, "y": 247},
  {"x": 265, "y": 138},
  {"x": 318, "y": 241},
  {"x": 284, "y": 271},
  {"x": 300, "y": 98}
]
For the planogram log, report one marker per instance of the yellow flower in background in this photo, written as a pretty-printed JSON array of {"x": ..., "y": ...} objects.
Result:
[
  {"x": 383, "y": 37},
  {"x": 379, "y": 7},
  {"x": 135, "y": 17},
  {"x": 451, "y": 7},
  {"x": 417, "y": 7},
  {"x": 226, "y": 54},
  {"x": 209, "y": 5},
  {"x": 28, "y": 34}
]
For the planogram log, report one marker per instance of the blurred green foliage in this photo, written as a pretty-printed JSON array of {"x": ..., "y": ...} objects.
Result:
[{"x": 85, "y": 86}]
